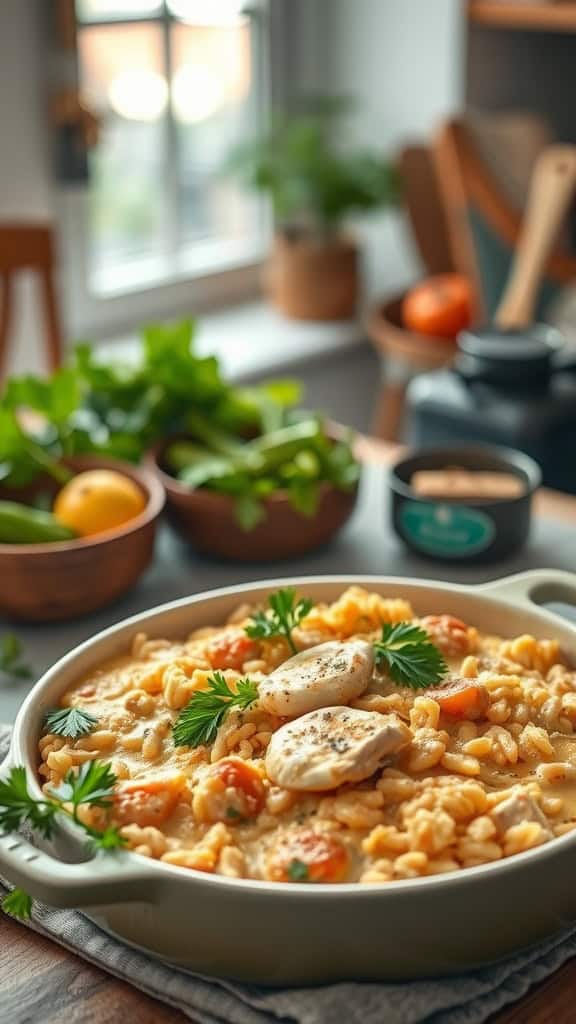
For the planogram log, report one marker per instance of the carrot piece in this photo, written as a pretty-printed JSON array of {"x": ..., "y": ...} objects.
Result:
[
  {"x": 147, "y": 802},
  {"x": 461, "y": 698}
]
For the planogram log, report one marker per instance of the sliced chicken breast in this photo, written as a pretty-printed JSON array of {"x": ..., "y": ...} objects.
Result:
[
  {"x": 518, "y": 808},
  {"x": 331, "y": 746},
  {"x": 329, "y": 674}
]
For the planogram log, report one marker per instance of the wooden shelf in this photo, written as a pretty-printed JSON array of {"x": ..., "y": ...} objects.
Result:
[{"x": 553, "y": 17}]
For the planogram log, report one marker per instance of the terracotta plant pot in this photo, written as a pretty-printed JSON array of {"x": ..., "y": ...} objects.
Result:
[
  {"x": 205, "y": 519},
  {"x": 309, "y": 279},
  {"x": 50, "y": 582}
]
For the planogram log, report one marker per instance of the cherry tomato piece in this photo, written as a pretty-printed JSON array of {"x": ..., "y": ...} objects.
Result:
[
  {"x": 147, "y": 803},
  {"x": 249, "y": 792},
  {"x": 231, "y": 650},
  {"x": 440, "y": 306},
  {"x": 304, "y": 855},
  {"x": 451, "y": 635}
]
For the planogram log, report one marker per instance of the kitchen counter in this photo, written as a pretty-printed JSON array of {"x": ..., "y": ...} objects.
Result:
[{"x": 41, "y": 983}]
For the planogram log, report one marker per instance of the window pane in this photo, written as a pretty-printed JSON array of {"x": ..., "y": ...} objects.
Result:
[
  {"x": 207, "y": 12},
  {"x": 214, "y": 107},
  {"x": 93, "y": 10},
  {"x": 123, "y": 80}
]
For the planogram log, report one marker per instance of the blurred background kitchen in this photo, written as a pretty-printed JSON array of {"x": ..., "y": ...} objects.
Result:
[
  {"x": 230, "y": 232},
  {"x": 285, "y": 170}
]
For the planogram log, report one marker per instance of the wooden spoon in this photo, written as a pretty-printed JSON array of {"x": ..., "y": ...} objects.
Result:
[{"x": 551, "y": 190}]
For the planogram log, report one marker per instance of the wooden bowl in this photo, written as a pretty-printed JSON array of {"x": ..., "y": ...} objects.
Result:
[
  {"x": 205, "y": 519},
  {"x": 419, "y": 352},
  {"x": 414, "y": 353},
  {"x": 67, "y": 579}
]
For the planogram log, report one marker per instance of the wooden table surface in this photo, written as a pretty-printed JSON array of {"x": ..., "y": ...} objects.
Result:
[{"x": 40, "y": 983}]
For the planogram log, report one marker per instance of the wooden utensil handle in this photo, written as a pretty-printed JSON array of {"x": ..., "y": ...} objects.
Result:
[{"x": 552, "y": 187}]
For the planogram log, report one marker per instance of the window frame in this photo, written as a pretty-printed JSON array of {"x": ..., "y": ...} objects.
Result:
[{"x": 219, "y": 278}]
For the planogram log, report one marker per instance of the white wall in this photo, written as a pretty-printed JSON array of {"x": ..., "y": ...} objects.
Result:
[
  {"x": 25, "y": 178},
  {"x": 403, "y": 61}
]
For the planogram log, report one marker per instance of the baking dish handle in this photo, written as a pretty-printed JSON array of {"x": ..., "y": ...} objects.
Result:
[
  {"x": 535, "y": 587},
  {"x": 107, "y": 878}
]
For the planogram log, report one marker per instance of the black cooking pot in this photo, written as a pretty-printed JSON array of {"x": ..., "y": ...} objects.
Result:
[
  {"x": 507, "y": 387},
  {"x": 520, "y": 358}
]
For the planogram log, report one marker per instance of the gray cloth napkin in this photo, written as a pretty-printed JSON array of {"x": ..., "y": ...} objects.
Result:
[{"x": 465, "y": 999}]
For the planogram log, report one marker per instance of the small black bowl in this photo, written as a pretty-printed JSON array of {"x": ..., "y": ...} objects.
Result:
[{"x": 462, "y": 530}]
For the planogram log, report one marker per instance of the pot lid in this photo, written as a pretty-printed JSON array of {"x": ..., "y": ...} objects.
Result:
[{"x": 512, "y": 356}]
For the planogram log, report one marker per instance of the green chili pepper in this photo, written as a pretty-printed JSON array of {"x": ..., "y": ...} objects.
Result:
[
  {"x": 184, "y": 454},
  {"x": 266, "y": 453},
  {"x": 20, "y": 524}
]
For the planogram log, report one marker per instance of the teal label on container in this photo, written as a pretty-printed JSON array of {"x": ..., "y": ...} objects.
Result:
[{"x": 449, "y": 530}]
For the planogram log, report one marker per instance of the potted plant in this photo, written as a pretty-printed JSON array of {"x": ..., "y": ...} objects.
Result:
[{"x": 314, "y": 186}]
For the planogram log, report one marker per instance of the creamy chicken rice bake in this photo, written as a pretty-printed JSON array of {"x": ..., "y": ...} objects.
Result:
[{"x": 387, "y": 747}]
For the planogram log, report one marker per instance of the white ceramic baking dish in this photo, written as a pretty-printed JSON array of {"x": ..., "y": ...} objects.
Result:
[{"x": 297, "y": 933}]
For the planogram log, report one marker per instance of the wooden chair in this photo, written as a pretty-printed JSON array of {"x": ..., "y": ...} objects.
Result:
[
  {"x": 403, "y": 355},
  {"x": 464, "y": 217},
  {"x": 484, "y": 224},
  {"x": 425, "y": 208},
  {"x": 29, "y": 247}
]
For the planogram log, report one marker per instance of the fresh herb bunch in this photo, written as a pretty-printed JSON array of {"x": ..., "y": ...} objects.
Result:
[
  {"x": 71, "y": 722},
  {"x": 25, "y": 453},
  {"x": 200, "y": 720},
  {"x": 408, "y": 655},
  {"x": 92, "y": 786},
  {"x": 281, "y": 618},
  {"x": 296, "y": 458},
  {"x": 11, "y": 664},
  {"x": 120, "y": 409}
]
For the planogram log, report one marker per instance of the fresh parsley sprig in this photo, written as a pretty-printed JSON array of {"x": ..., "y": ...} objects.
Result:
[
  {"x": 11, "y": 664},
  {"x": 18, "y": 904},
  {"x": 92, "y": 785},
  {"x": 200, "y": 720},
  {"x": 281, "y": 618},
  {"x": 17, "y": 807},
  {"x": 298, "y": 871},
  {"x": 70, "y": 722},
  {"x": 409, "y": 656}
]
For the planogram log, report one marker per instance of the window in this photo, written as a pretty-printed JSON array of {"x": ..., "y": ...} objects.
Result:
[{"x": 176, "y": 84}]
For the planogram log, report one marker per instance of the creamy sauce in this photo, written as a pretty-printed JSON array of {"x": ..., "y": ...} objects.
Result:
[{"x": 423, "y": 804}]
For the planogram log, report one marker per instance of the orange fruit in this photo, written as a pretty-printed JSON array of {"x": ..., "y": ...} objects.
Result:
[{"x": 98, "y": 500}]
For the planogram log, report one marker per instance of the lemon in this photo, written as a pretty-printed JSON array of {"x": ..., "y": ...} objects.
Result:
[{"x": 98, "y": 500}]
